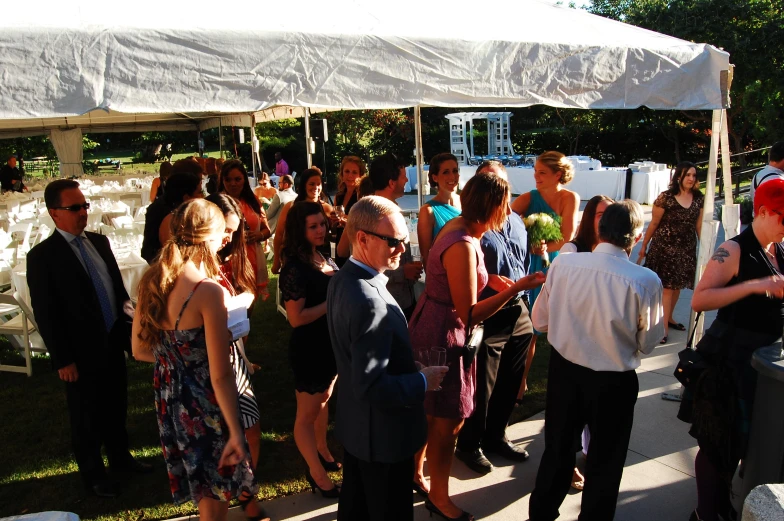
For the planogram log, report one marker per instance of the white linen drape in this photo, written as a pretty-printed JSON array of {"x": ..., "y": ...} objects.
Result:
[{"x": 68, "y": 145}]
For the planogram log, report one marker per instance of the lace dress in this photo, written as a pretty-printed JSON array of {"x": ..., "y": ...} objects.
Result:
[
  {"x": 310, "y": 347},
  {"x": 192, "y": 429}
]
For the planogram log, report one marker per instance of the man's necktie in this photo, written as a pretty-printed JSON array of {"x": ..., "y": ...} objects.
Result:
[{"x": 100, "y": 289}]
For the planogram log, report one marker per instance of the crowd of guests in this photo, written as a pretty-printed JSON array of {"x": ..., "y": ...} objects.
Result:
[{"x": 418, "y": 379}]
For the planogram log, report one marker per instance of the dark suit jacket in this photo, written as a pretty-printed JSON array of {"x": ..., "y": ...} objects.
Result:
[
  {"x": 380, "y": 416},
  {"x": 65, "y": 304}
]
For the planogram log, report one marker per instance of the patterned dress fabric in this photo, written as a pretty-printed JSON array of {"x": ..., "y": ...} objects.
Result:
[
  {"x": 192, "y": 428},
  {"x": 672, "y": 253},
  {"x": 310, "y": 348},
  {"x": 435, "y": 323},
  {"x": 442, "y": 214}
]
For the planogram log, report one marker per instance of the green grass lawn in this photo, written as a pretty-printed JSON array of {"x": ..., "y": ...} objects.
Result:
[{"x": 38, "y": 473}]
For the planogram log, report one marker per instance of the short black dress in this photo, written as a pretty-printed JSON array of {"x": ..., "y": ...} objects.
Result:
[{"x": 310, "y": 348}]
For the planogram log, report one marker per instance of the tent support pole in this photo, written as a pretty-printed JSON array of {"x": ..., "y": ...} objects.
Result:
[
  {"x": 308, "y": 150},
  {"x": 710, "y": 227},
  {"x": 421, "y": 182},
  {"x": 220, "y": 140},
  {"x": 730, "y": 215},
  {"x": 253, "y": 149}
]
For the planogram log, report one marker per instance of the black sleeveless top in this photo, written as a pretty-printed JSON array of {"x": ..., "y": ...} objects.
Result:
[
  {"x": 580, "y": 247},
  {"x": 755, "y": 312}
]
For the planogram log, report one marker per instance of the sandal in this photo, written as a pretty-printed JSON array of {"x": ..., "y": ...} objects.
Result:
[
  {"x": 244, "y": 504},
  {"x": 677, "y": 327},
  {"x": 663, "y": 340}
]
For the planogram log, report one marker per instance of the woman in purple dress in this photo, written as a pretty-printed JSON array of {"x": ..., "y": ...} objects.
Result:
[{"x": 444, "y": 316}]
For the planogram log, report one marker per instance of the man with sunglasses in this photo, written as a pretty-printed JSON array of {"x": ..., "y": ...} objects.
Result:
[
  {"x": 380, "y": 414},
  {"x": 79, "y": 300},
  {"x": 388, "y": 176}
]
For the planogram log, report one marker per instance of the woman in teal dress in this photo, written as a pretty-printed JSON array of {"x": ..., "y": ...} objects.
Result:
[
  {"x": 552, "y": 172},
  {"x": 445, "y": 206}
]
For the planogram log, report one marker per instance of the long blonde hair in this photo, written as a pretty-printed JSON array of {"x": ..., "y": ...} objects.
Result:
[{"x": 192, "y": 223}]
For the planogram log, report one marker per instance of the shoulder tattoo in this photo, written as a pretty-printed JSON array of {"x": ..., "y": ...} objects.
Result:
[{"x": 720, "y": 255}]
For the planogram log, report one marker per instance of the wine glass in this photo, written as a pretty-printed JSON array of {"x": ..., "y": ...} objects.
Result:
[
  {"x": 340, "y": 211},
  {"x": 437, "y": 359}
]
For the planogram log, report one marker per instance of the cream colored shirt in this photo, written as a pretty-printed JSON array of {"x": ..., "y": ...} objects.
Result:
[{"x": 600, "y": 310}]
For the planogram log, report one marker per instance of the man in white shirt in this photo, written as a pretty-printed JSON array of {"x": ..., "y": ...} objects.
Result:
[
  {"x": 774, "y": 170},
  {"x": 285, "y": 195},
  {"x": 601, "y": 312}
]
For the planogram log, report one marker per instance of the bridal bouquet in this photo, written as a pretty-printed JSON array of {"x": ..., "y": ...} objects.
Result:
[{"x": 543, "y": 227}]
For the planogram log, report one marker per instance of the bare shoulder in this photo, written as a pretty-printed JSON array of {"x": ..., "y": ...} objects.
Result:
[
  {"x": 725, "y": 252},
  {"x": 521, "y": 203},
  {"x": 425, "y": 210}
]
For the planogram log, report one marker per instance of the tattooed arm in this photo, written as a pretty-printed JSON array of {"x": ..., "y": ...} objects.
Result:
[{"x": 712, "y": 291}]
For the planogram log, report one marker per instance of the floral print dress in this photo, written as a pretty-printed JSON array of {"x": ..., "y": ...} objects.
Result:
[{"x": 193, "y": 431}]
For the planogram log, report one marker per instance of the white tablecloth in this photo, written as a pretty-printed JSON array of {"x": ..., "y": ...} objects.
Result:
[
  {"x": 131, "y": 272},
  {"x": 609, "y": 181}
]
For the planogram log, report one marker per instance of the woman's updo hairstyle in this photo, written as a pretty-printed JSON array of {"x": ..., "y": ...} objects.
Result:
[
  {"x": 557, "y": 162},
  {"x": 192, "y": 224}
]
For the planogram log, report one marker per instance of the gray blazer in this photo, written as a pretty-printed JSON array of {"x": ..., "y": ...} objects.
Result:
[{"x": 380, "y": 415}]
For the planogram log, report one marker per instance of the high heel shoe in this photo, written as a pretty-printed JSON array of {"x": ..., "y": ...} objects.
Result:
[
  {"x": 329, "y": 493},
  {"x": 262, "y": 514},
  {"x": 330, "y": 466},
  {"x": 465, "y": 516}
]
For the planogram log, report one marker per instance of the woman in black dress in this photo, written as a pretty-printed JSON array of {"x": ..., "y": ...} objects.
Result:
[
  {"x": 743, "y": 280},
  {"x": 673, "y": 232},
  {"x": 304, "y": 279}
]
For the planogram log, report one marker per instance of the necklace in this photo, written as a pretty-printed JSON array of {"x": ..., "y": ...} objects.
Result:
[{"x": 322, "y": 262}]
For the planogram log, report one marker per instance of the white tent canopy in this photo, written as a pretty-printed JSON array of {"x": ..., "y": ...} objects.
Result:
[{"x": 141, "y": 65}]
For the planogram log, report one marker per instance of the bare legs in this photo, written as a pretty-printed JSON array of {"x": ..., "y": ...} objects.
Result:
[
  {"x": 213, "y": 510},
  {"x": 528, "y": 361},
  {"x": 669, "y": 299},
  {"x": 441, "y": 438},
  {"x": 419, "y": 469},
  {"x": 310, "y": 433},
  {"x": 253, "y": 436}
]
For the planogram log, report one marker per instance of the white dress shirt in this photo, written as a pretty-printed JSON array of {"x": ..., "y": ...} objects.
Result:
[{"x": 600, "y": 310}]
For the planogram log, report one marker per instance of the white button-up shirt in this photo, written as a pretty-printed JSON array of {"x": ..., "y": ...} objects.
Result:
[{"x": 600, "y": 310}]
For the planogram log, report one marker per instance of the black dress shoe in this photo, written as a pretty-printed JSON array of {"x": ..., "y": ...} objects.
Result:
[
  {"x": 133, "y": 465},
  {"x": 475, "y": 460},
  {"x": 104, "y": 489},
  {"x": 506, "y": 449}
]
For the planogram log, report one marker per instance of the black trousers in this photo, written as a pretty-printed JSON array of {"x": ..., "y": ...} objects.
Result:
[
  {"x": 577, "y": 396},
  {"x": 500, "y": 365},
  {"x": 376, "y": 491},
  {"x": 98, "y": 407}
]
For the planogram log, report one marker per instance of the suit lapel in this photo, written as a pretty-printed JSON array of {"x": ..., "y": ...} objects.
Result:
[{"x": 71, "y": 264}]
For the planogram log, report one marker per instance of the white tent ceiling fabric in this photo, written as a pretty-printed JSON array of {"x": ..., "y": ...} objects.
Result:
[{"x": 62, "y": 60}]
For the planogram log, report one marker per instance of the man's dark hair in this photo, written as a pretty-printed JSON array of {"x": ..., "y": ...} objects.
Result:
[
  {"x": 776, "y": 152},
  {"x": 286, "y": 179},
  {"x": 621, "y": 223},
  {"x": 384, "y": 169},
  {"x": 187, "y": 166},
  {"x": 54, "y": 189},
  {"x": 179, "y": 185}
]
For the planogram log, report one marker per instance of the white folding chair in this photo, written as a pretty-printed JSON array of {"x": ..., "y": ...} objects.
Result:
[
  {"x": 141, "y": 214},
  {"x": 123, "y": 221},
  {"x": 22, "y": 325},
  {"x": 132, "y": 200},
  {"x": 106, "y": 229},
  {"x": 21, "y": 233}
]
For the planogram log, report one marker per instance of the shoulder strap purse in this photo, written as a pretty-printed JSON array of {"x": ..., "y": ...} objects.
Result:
[
  {"x": 691, "y": 363},
  {"x": 474, "y": 341}
]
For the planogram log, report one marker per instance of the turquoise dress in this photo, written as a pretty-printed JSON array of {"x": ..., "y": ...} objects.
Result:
[
  {"x": 442, "y": 213},
  {"x": 538, "y": 205}
]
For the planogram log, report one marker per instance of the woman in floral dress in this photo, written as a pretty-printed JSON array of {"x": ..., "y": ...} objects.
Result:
[
  {"x": 180, "y": 325},
  {"x": 672, "y": 235}
]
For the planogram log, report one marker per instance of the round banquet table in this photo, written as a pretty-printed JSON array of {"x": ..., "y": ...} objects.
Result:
[{"x": 130, "y": 269}]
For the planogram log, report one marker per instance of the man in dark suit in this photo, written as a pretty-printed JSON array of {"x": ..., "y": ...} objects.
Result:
[
  {"x": 78, "y": 300},
  {"x": 380, "y": 417}
]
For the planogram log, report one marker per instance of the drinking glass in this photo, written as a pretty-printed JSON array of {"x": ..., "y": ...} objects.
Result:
[
  {"x": 340, "y": 211},
  {"x": 437, "y": 359}
]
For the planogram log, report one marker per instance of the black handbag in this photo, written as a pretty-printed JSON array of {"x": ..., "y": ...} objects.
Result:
[
  {"x": 691, "y": 362},
  {"x": 474, "y": 341}
]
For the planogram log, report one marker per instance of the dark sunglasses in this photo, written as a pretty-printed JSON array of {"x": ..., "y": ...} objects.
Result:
[
  {"x": 391, "y": 241},
  {"x": 73, "y": 207}
]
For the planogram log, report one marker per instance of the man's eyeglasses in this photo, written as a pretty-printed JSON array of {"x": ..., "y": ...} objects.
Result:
[
  {"x": 391, "y": 241},
  {"x": 73, "y": 207}
]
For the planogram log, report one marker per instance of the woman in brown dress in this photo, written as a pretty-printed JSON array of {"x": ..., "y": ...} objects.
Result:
[{"x": 672, "y": 234}]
